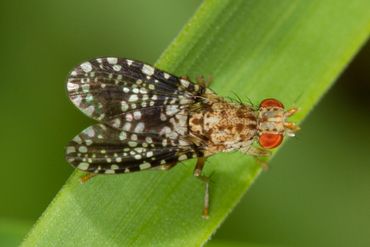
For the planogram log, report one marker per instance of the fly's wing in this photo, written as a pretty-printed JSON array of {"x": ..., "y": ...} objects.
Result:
[
  {"x": 130, "y": 95},
  {"x": 144, "y": 114},
  {"x": 103, "y": 149}
]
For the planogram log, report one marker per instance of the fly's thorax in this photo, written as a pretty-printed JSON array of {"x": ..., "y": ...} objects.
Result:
[{"x": 224, "y": 126}]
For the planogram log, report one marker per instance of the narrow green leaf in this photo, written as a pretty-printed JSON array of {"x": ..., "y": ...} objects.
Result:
[
  {"x": 290, "y": 50},
  {"x": 220, "y": 243}
]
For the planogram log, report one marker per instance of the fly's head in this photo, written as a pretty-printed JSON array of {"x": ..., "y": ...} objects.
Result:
[{"x": 273, "y": 124}]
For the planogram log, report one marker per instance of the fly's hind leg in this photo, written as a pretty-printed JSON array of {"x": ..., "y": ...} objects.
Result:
[
  {"x": 87, "y": 177},
  {"x": 198, "y": 174},
  {"x": 167, "y": 166}
]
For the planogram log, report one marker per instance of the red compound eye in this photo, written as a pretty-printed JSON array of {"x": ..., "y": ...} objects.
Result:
[
  {"x": 271, "y": 103},
  {"x": 269, "y": 141}
]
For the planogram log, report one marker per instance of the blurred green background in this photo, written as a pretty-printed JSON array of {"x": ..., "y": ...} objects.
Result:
[{"x": 317, "y": 191}]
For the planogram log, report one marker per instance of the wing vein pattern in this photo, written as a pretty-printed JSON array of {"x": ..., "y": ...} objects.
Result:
[{"x": 142, "y": 113}]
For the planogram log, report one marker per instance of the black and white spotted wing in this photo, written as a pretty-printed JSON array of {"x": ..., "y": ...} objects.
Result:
[
  {"x": 104, "y": 149},
  {"x": 107, "y": 89},
  {"x": 135, "y": 102}
]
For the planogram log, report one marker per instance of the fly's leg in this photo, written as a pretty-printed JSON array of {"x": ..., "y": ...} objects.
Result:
[
  {"x": 87, "y": 177},
  {"x": 262, "y": 163},
  {"x": 166, "y": 167},
  {"x": 200, "y": 80},
  {"x": 258, "y": 154},
  {"x": 204, "y": 82},
  {"x": 198, "y": 174}
]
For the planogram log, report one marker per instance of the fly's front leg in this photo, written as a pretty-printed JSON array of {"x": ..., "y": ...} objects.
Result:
[
  {"x": 258, "y": 153},
  {"x": 198, "y": 173}
]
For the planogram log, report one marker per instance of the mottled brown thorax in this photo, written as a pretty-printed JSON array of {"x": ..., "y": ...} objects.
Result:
[{"x": 223, "y": 126}]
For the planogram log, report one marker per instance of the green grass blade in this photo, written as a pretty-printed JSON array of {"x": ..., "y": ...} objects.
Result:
[{"x": 290, "y": 50}]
